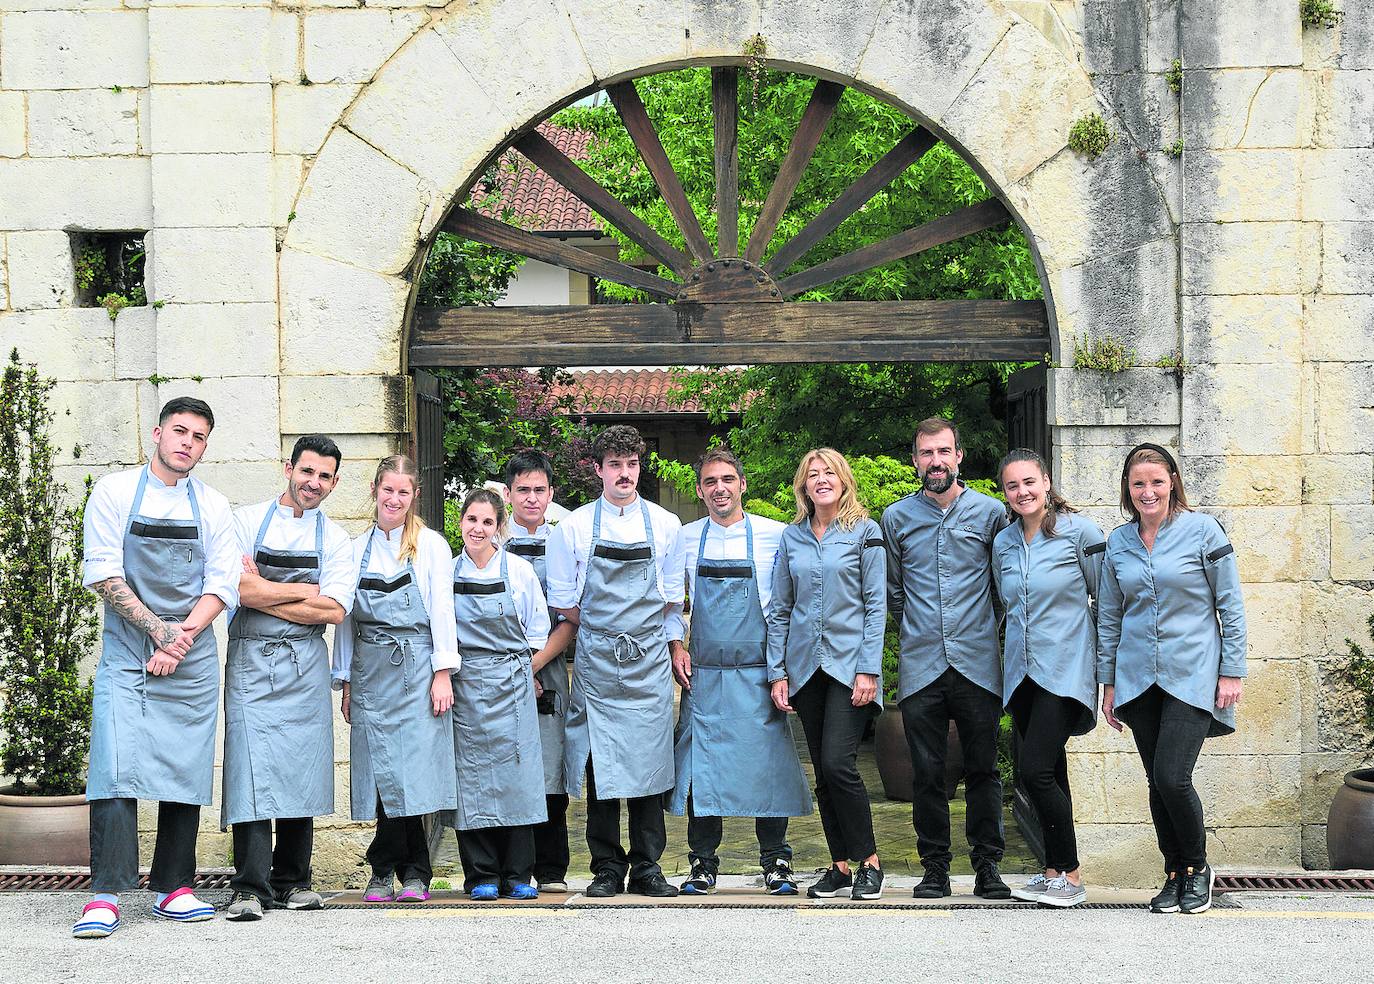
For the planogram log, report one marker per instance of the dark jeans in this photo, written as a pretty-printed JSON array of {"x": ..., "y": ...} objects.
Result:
[
  {"x": 400, "y": 847},
  {"x": 648, "y": 833},
  {"x": 977, "y": 715},
  {"x": 114, "y": 846},
  {"x": 503, "y": 855},
  {"x": 704, "y": 836},
  {"x": 833, "y": 728},
  {"x": 270, "y": 872},
  {"x": 551, "y": 855},
  {"x": 1169, "y": 735},
  {"x": 1045, "y": 722}
]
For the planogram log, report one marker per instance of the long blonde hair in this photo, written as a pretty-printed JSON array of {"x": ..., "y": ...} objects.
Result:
[
  {"x": 850, "y": 511},
  {"x": 399, "y": 464}
]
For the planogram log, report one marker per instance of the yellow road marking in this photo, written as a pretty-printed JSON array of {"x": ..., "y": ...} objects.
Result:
[{"x": 1283, "y": 914}]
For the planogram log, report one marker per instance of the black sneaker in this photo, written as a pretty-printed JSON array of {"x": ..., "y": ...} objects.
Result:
[
  {"x": 653, "y": 885},
  {"x": 700, "y": 882},
  {"x": 988, "y": 883},
  {"x": 1195, "y": 895},
  {"x": 779, "y": 879},
  {"x": 605, "y": 885},
  {"x": 832, "y": 883},
  {"x": 1167, "y": 899},
  {"x": 868, "y": 885},
  {"x": 934, "y": 885}
]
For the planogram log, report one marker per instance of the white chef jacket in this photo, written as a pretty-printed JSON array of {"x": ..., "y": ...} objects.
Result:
[
  {"x": 726, "y": 543},
  {"x": 524, "y": 590},
  {"x": 338, "y": 570},
  {"x": 571, "y": 541}
]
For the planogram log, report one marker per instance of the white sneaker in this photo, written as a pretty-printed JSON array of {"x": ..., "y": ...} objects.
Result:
[{"x": 1031, "y": 891}]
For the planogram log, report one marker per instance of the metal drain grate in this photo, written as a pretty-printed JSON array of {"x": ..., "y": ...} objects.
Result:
[
  {"x": 1218, "y": 902},
  {"x": 1293, "y": 883},
  {"x": 79, "y": 880}
]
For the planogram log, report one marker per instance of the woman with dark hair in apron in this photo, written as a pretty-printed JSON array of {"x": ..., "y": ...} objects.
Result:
[
  {"x": 393, "y": 656},
  {"x": 502, "y": 621}
]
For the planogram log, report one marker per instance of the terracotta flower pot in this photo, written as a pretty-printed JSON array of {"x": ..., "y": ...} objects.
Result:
[
  {"x": 894, "y": 757},
  {"x": 1350, "y": 824},
  {"x": 44, "y": 830}
]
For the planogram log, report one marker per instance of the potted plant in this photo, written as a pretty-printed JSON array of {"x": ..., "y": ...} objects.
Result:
[
  {"x": 48, "y": 626},
  {"x": 1350, "y": 822}
]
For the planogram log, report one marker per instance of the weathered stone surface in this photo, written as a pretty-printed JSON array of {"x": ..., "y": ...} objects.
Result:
[
  {"x": 1250, "y": 257},
  {"x": 1246, "y": 107},
  {"x": 1116, "y": 438},
  {"x": 1242, "y": 329},
  {"x": 1336, "y": 183},
  {"x": 825, "y": 36},
  {"x": 1236, "y": 847},
  {"x": 1314, "y": 855},
  {"x": 84, "y": 193},
  {"x": 339, "y": 319},
  {"x": 100, "y": 417},
  {"x": 1345, "y": 407},
  {"x": 357, "y": 404},
  {"x": 1333, "y": 709},
  {"x": 632, "y": 36},
  {"x": 1348, "y": 255},
  {"x": 4, "y": 275},
  {"x": 1339, "y": 328},
  {"x": 1120, "y": 853},
  {"x": 12, "y": 139},
  {"x": 43, "y": 276},
  {"x": 288, "y": 175},
  {"x": 246, "y": 414},
  {"x": 1338, "y": 478},
  {"x": 1241, "y": 480},
  {"x": 1352, "y": 543},
  {"x": 191, "y": 45},
  {"x": 353, "y": 498},
  {"x": 1109, "y": 788},
  {"x": 1248, "y": 790},
  {"x": 1323, "y": 774},
  {"x": 74, "y": 49},
  {"x": 1333, "y": 613},
  {"x": 243, "y": 482},
  {"x": 220, "y": 265},
  {"x": 1268, "y": 540},
  {"x": 1239, "y": 33},
  {"x": 1270, "y": 712},
  {"x": 1135, "y": 396},
  {"x": 217, "y": 340},
  {"x": 1131, "y": 294},
  {"x": 82, "y": 122},
  {"x": 1114, "y": 36},
  {"x": 304, "y": 114},
  {"x": 1354, "y": 40},
  {"x": 1273, "y": 620},
  {"x": 1088, "y": 475},
  {"x": 135, "y": 342},
  {"x": 1241, "y": 185},
  {"x": 350, "y": 45},
  {"x": 220, "y": 190},
  {"x": 203, "y": 119},
  {"x": 67, "y": 344},
  {"x": 1344, "y": 109}
]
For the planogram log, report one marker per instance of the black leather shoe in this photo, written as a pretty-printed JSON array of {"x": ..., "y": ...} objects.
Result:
[
  {"x": 653, "y": 885},
  {"x": 1167, "y": 899},
  {"x": 605, "y": 885},
  {"x": 834, "y": 882},
  {"x": 1195, "y": 894},
  {"x": 988, "y": 884},
  {"x": 934, "y": 885}
]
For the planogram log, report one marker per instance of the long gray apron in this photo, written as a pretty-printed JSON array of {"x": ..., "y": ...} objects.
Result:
[
  {"x": 621, "y": 712},
  {"x": 733, "y": 749},
  {"x": 495, "y": 736},
  {"x": 398, "y": 749},
  {"x": 278, "y": 716},
  {"x": 553, "y": 677},
  {"x": 153, "y": 737}
]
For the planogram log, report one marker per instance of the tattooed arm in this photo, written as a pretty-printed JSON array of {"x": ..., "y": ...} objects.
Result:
[{"x": 170, "y": 637}]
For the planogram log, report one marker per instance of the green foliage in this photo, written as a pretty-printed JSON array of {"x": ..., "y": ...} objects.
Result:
[
  {"x": 157, "y": 379},
  {"x": 1174, "y": 149},
  {"x": 115, "y": 302},
  {"x": 453, "y": 524},
  {"x": 47, "y": 619},
  {"x": 1176, "y": 364},
  {"x": 109, "y": 271},
  {"x": 90, "y": 267},
  {"x": 680, "y": 475},
  {"x": 1358, "y": 671},
  {"x": 1090, "y": 136},
  {"x": 1106, "y": 354},
  {"x": 460, "y": 272},
  {"x": 441, "y": 885},
  {"x": 1319, "y": 13},
  {"x": 1174, "y": 76}
]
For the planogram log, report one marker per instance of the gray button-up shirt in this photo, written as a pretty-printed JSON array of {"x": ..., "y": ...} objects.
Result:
[
  {"x": 827, "y": 611},
  {"x": 939, "y": 585}
]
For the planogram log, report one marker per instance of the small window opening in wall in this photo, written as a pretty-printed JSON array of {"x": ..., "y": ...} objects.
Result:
[{"x": 109, "y": 270}]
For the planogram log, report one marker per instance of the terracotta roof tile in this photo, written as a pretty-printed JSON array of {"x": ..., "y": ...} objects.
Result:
[
  {"x": 537, "y": 202},
  {"x": 623, "y": 391}
]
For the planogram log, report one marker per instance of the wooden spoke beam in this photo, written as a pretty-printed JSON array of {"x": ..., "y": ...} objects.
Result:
[
  {"x": 544, "y": 154},
  {"x": 824, "y": 98},
  {"x": 908, "y": 150},
  {"x": 730, "y": 334},
  {"x": 471, "y": 225},
  {"x": 641, "y": 129},
  {"x": 945, "y": 229},
  {"x": 725, "y": 109}
]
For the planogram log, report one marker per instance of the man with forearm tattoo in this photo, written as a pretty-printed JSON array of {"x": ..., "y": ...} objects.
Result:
[{"x": 160, "y": 549}]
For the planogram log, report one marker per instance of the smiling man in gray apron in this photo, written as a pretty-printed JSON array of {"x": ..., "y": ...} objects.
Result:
[
  {"x": 159, "y": 548},
  {"x": 299, "y": 576},
  {"x": 734, "y": 750},
  {"x": 529, "y": 491},
  {"x": 610, "y": 571}
]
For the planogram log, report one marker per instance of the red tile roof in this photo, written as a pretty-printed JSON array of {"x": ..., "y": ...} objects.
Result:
[
  {"x": 623, "y": 391},
  {"x": 536, "y": 201}
]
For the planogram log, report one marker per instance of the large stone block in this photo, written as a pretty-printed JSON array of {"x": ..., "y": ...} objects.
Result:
[
  {"x": 1338, "y": 479},
  {"x": 1240, "y": 34},
  {"x": 217, "y": 340},
  {"x": 1088, "y": 397},
  {"x": 1132, "y": 295},
  {"x": 1250, "y": 257},
  {"x": 219, "y": 190},
  {"x": 631, "y": 37},
  {"x": 353, "y": 404},
  {"x": 74, "y": 49},
  {"x": 243, "y": 482},
  {"x": 209, "y": 44},
  {"x": 1247, "y": 848},
  {"x": 66, "y": 344},
  {"x": 1336, "y": 183},
  {"x": 1345, "y": 407},
  {"x": 350, "y": 45},
  {"x": 1239, "y": 329},
  {"x": 1088, "y": 475},
  {"x": 1120, "y": 853},
  {"x": 211, "y": 119},
  {"x": 247, "y": 420},
  {"x": 288, "y": 174},
  {"x": 1116, "y": 438},
  {"x": 1352, "y": 543},
  {"x": 135, "y": 343},
  {"x": 212, "y": 265},
  {"x": 1324, "y": 774},
  {"x": 1339, "y": 328},
  {"x": 1333, "y": 613},
  {"x": 1270, "y": 713},
  {"x": 1273, "y": 620},
  {"x": 83, "y": 122},
  {"x": 80, "y": 193},
  {"x": 339, "y": 319},
  {"x": 12, "y": 138},
  {"x": 41, "y": 271},
  {"x": 352, "y": 500},
  {"x": 825, "y": 36},
  {"x": 1354, "y": 40},
  {"x": 1275, "y": 543},
  {"x": 1245, "y": 480},
  {"x": 1248, "y": 790},
  {"x": 1344, "y": 109},
  {"x": 1114, "y": 36},
  {"x": 101, "y": 418},
  {"x": 1241, "y": 185},
  {"x": 304, "y": 114},
  {"x": 1246, "y": 107},
  {"x": 1109, "y": 788},
  {"x": 1348, "y": 255}
]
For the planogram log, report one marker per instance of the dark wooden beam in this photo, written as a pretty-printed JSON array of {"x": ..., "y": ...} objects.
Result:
[
  {"x": 544, "y": 154},
  {"x": 945, "y": 229},
  {"x": 730, "y": 334},
  {"x": 471, "y": 225},
  {"x": 824, "y": 98},
  {"x": 908, "y": 150},
  {"x": 641, "y": 129},
  {"x": 725, "y": 109}
]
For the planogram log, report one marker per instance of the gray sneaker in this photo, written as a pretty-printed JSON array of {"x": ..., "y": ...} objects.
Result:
[
  {"x": 243, "y": 907},
  {"x": 1063, "y": 894},
  {"x": 553, "y": 886},
  {"x": 300, "y": 899},
  {"x": 1031, "y": 891}
]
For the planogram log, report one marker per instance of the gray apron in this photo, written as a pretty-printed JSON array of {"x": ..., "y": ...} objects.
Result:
[
  {"x": 733, "y": 750},
  {"x": 153, "y": 737},
  {"x": 398, "y": 750},
  {"x": 495, "y": 737},
  {"x": 553, "y": 677},
  {"x": 278, "y": 715},
  {"x": 621, "y": 712}
]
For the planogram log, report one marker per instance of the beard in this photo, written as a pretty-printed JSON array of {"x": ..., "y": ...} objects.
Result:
[
  {"x": 939, "y": 481},
  {"x": 166, "y": 461}
]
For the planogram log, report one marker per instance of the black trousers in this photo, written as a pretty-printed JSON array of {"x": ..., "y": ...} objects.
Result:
[
  {"x": 503, "y": 855},
  {"x": 114, "y": 846},
  {"x": 1169, "y": 735},
  {"x": 1045, "y": 722},
  {"x": 834, "y": 727},
  {"x": 399, "y": 847},
  {"x": 977, "y": 714},
  {"x": 704, "y": 835},
  {"x": 648, "y": 833},
  {"x": 270, "y": 871},
  {"x": 551, "y": 854}
]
